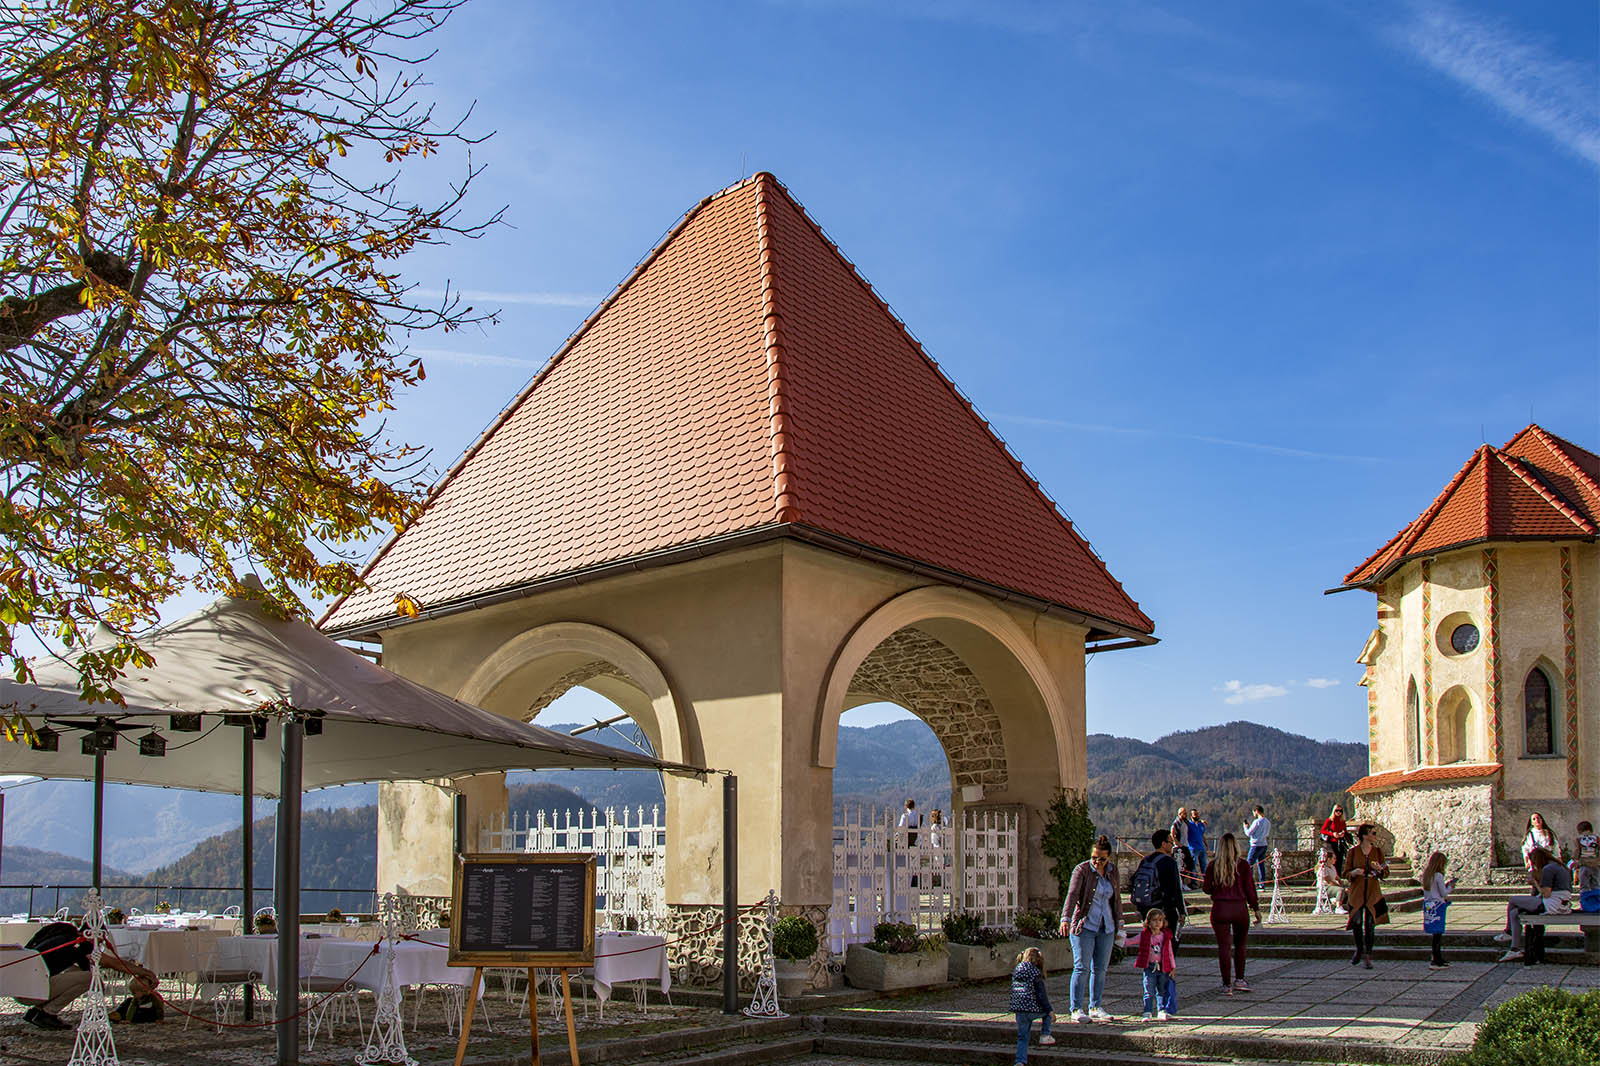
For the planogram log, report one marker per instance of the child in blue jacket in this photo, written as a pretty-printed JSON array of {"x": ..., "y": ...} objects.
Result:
[{"x": 1029, "y": 1000}]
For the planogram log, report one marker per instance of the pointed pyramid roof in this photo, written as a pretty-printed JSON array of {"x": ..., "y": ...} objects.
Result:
[
  {"x": 1537, "y": 487},
  {"x": 743, "y": 382}
]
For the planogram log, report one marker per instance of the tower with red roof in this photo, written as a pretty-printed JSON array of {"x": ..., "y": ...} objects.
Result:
[
  {"x": 740, "y": 500},
  {"x": 1483, "y": 674}
]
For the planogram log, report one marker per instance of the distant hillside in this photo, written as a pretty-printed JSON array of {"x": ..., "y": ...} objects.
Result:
[
  {"x": 1223, "y": 770},
  {"x": 31, "y": 866}
]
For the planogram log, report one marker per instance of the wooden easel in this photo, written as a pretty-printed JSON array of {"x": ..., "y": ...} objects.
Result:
[{"x": 533, "y": 1016}]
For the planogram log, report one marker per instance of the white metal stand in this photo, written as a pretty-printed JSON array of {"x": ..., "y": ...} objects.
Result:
[
  {"x": 764, "y": 1004},
  {"x": 1276, "y": 915},
  {"x": 387, "y": 1043},
  {"x": 93, "y": 1045}
]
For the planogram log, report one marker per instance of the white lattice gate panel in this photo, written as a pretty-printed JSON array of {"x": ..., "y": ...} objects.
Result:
[
  {"x": 630, "y": 856},
  {"x": 990, "y": 849},
  {"x": 883, "y": 872}
]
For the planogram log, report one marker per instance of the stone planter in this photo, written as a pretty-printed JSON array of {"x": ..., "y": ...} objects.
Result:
[
  {"x": 865, "y": 968},
  {"x": 1057, "y": 953},
  {"x": 794, "y": 977},
  {"x": 974, "y": 962}
]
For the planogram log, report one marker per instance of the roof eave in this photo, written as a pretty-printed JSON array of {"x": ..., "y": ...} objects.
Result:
[
  {"x": 1098, "y": 628},
  {"x": 1386, "y": 572}
]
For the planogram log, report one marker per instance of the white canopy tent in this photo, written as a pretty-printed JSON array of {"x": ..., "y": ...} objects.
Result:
[{"x": 232, "y": 670}]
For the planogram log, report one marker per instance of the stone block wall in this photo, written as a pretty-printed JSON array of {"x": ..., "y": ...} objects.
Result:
[{"x": 1457, "y": 819}]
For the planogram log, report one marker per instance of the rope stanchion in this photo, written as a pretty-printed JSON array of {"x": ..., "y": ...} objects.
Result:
[
  {"x": 94, "y": 1045},
  {"x": 764, "y": 1004},
  {"x": 1276, "y": 915}
]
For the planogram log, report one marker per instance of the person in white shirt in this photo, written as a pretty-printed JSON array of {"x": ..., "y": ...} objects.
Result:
[
  {"x": 910, "y": 821},
  {"x": 1258, "y": 831}
]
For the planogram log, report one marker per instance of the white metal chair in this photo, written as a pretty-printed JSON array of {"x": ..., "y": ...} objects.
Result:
[
  {"x": 214, "y": 984},
  {"x": 329, "y": 996}
]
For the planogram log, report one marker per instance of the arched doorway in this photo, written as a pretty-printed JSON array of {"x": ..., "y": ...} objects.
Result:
[{"x": 962, "y": 668}]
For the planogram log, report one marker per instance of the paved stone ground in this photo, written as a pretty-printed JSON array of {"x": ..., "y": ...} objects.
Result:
[{"x": 1400, "y": 1003}]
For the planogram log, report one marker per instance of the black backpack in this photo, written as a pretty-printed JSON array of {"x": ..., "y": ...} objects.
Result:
[{"x": 1145, "y": 890}]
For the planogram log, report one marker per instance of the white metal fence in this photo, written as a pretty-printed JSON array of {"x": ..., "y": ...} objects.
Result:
[
  {"x": 883, "y": 872},
  {"x": 630, "y": 850}
]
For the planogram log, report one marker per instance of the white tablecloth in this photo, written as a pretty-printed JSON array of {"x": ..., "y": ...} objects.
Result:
[
  {"x": 165, "y": 950},
  {"x": 18, "y": 933},
  {"x": 415, "y": 963},
  {"x": 259, "y": 952},
  {"x": 629, "y": 957},
  {"x": 23, "y": 973}
]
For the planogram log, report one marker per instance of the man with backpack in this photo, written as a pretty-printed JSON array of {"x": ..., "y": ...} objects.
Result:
[{"x": 1157, "y": 886}]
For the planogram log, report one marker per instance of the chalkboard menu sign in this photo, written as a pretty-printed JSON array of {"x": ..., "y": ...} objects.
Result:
[{"x": 523, "y": 910}]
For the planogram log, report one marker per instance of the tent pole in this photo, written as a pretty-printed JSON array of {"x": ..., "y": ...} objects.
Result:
[
  {"x": 99, "y": 810},
  {"x": 730, "y": 894},
  {"x": 286, "y": 891},
  {"x": 247, "y": 839}
]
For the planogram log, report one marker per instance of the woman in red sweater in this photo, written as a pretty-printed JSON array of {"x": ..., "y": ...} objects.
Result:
[
  {"x": 1334, "y": 833},
  {"x": 1232, "y": 889}
]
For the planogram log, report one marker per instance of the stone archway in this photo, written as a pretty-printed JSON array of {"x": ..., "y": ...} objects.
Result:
[
  {"x": 548, "y": 660},
  {"x": 926, "y": 605}
]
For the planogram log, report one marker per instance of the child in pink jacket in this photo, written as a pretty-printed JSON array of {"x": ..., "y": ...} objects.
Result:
[{"x": 1159, "y": 961}]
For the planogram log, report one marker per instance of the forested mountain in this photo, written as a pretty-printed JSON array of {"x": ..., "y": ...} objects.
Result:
[{"x": 32, "y": 866}]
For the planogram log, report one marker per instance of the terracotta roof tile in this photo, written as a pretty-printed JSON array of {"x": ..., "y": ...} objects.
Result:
[
  {"x": 1538, "y": 487},
  {"x": 743, "y": 376},
  {"x": 1424, "y": 775}
]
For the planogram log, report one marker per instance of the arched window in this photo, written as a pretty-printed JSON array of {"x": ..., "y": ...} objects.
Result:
[
  {"x": 1538, "y": 727},
  {"x": 1413, "y": 726}
]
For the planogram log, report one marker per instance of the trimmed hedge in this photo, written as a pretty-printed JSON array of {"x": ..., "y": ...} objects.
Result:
[{"x": 1544, "y": 1027}]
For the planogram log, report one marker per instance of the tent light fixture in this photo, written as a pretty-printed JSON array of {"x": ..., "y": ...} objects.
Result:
[
  {"x": 45, "y": 739},
  {"x": 258, "y": 726},
  {"x": 184, "y": 723},
  {"x": 313, "y": 723},
  {"x": 153, "y": 744},
  {"x": 236, "y": 719}
]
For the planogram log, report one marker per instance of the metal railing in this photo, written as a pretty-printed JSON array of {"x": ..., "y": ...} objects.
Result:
[{"x": 146, "y": 896}]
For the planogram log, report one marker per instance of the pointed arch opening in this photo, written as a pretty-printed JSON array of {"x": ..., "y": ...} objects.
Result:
[
  {"x": 1539, "y": 733},
  {"x": 1413, "y": 726}
]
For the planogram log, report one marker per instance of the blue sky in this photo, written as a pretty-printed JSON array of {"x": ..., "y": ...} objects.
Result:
[
  {"x": 1243, "y": 287},
  {"x": 1242, "y": 284}
]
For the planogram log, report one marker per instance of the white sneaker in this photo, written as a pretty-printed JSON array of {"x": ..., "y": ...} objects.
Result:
[
  {"x": 1046, "y": 1039},
  {"x": 1146, "y": 1016},
  {"x": 1162, "y": 1016},
  {"x": 1510, "y": 956},
  {"x": 1098, "y": 1014},
  {"x": 1502, "y": 938},
  {"x": 1079, "y": 1017}
]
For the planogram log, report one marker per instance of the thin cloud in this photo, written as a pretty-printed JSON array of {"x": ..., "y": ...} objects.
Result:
[
  {"x": 1518, "y": 76},
  {"x": 472, "y": 358},
  {"x": 533, "y": 299},
  {"x": 1229, "y": 442},
  {"x": 1030, "y": 17},
  {"x": 1239, "y": 692},
  {"x": 1321, "y": 682}
]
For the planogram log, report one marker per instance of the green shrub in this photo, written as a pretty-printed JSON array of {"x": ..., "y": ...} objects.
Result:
[
  {"x": 1539, "y": 1028},
  {"x": 1039, "y": 925},
  {"x": 902, "y": 938},
  {"x": 964, "y": 927},
  {"x": 794, "y": 938},
  {"x": 1068, "y": 834}
]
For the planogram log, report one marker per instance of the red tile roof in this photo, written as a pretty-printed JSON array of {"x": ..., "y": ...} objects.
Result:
[
  {"x": 1423, "y": 776},
  {"x": 1537, "y": 487},
  {"x": 743, "y": 378}
]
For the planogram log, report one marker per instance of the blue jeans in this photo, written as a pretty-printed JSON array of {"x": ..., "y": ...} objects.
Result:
[
  {"x": 1257, "y": 860},
  {"x": 1199, "y": 865},
  {"x": 1025, "y": 1030},
  {"x": 1091, "y": 955},
  {"x": 1160, "y": 991}
]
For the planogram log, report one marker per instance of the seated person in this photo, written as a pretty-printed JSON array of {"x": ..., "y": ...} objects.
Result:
[
  {"x": 1552, "y": 894},
  {"x": 1585, "y": 864},
  {"x": 1328, "y": 882},
  {"x": 66, "y": 955}
]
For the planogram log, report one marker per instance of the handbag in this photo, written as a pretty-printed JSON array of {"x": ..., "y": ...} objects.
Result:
[
  {"x": 1380, "y": 912},
  {"x": 1433, "y": 915}
]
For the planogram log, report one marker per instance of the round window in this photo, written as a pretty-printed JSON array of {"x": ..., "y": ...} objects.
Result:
[{"x": 1464, "y": 638}]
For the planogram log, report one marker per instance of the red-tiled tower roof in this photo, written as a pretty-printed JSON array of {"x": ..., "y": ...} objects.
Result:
[
  {"x": 743, "y": 382},
  {"x": 1537, "y": 487}
]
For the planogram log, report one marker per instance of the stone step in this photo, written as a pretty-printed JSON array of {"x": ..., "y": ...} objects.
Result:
[
  {"x": 1126, "y": 1042},
  {"x": 784, "y": 1049}
]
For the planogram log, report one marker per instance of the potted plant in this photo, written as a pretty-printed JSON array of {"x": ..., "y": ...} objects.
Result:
[
  {"x": 266, "y": 923},
  {"x": 114, "y": 916},
  {"x": 1041, "y": 929},
  {"x": 975, "y": 949},
  {"x": 335, "y": 916},
  {"x": 163, "y": 907},
  {"x": 897, "y": 957},
  {"x": 794, "y": 943}
]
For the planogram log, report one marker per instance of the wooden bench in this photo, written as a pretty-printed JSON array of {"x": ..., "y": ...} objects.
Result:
[{"x": 1533, "y": 939}]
